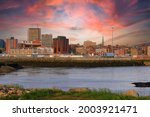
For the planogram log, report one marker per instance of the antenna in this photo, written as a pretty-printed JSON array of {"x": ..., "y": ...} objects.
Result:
[{"x": 37, "y": 25}]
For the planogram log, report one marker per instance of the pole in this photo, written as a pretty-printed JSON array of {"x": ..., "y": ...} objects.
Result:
[{"x": 112, "y": 39}]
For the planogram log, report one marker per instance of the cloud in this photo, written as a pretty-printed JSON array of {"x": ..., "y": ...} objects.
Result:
[{"x": 74, "y": 15}]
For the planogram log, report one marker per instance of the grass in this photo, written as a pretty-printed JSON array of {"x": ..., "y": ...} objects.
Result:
[{"x": 56, "y": 94}]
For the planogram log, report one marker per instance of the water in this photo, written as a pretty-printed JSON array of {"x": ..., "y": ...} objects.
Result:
[{"x": 114, "y": 78}]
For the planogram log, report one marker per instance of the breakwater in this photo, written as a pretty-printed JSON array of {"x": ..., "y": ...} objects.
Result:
[{"x": 68, "y": 62}]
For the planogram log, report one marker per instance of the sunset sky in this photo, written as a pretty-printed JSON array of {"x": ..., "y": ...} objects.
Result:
[{"x": 79, "y": 20}]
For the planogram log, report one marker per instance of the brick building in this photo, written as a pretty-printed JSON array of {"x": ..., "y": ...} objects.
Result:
[
  {"x": 61, "y": 45},
  {"x": 11, "y": 44}
]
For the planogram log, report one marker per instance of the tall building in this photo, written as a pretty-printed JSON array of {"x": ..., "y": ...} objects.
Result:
[
  {"x": 61, "y": 45},
  {"x": 34, "y": 33},
  {"x": 47, "y": 40},
  {"x": 2, "y": 43},
  {"x": 11, "y": 44}
]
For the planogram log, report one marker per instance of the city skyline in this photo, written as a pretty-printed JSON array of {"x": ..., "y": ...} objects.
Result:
[{"x": 78, "y": 20}]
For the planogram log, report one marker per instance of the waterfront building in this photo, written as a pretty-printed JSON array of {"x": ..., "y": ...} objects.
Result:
[
  {"x": 119, "y": 52},
  {"x": 90, "y": 50},
  {"x": 44, "y": 51},
  {"x": 2, "y": 43},
  {"x": 20, "y": 52},
  {"x": 11, "y": 44},
  {"x": 148, "y": 50},
  {"x": 101, "y": 51},
  {"x": 134, "y": 51},
  {"x": 81, "y": 50},
  {"x": 61, "y": 45},
  {"x": 89, "y": 43},
  {"x": 34, "y": 33},
  {"x": 32, "y": 44},
  {"x": 72, "y": 48},
  {"x": 47, "y": 40}
]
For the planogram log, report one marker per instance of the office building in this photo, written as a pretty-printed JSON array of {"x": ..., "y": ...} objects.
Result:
[
  {"x": 47, "y": 40},
  {"x": 2, "y": 43},
  {"x": 34, "y": 33},
  {"x": 61, "y": 45},
  {"x": 11, "y": 44}
]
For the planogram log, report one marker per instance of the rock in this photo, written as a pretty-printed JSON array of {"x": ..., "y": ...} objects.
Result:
[
  {"x": 79, "y": 90},
  {"x": 6, "y": 69},
  {"x": 131, "y": 93},
  {"x": 10, "y": 91},
  {"x": 2, "y": 94},
  {"x": 142, "y": 84}
]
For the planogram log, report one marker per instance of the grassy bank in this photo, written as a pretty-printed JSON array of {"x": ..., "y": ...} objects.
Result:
[
  {"x": 69, "y": 62},
  {"x": 57, "y": 94}
]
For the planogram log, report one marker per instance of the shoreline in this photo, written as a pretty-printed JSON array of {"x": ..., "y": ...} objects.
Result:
[
  {"x": 72, "y": 62},
  {"x": 16, "y": 92}
]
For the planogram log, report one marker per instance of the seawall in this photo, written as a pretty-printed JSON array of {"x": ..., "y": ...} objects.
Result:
[{"x": 70, "y": 62}]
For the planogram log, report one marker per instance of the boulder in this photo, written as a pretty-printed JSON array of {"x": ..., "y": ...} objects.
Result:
[
  {"x": 79, "y": 90},
  {"x": 131, "y": 93},
  {"x": 6, "y": 69},
  {"x": 10, "y": 91},
  {"x": 2, "y": 94},
  {"x": 142, "y": 84}
]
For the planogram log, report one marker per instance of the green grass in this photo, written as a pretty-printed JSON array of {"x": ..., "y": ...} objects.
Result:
[{"x": 55, "y": 94}]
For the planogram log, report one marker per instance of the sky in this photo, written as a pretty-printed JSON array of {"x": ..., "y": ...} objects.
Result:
[{"x": 78, "y": 20}]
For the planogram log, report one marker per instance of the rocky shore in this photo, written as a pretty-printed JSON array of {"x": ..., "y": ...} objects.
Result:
[
  {"x": 6, "y": 69},
  {"x": 12, "y": 92},
  {"x": 9, "y": 68}
]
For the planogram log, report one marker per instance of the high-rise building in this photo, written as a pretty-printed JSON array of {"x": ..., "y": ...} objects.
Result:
[
  {"x": 2, "y": 43},
  {"x": 34, "y": 33},
  {"x": 47, "y": 40},
  {"x": 61, "y": 45},
  {"x": 11, "y": 44}
]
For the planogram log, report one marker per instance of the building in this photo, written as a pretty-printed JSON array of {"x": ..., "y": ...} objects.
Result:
[
  {"x": 90, "y": 50},
  {"x": 11, "y": 44},
  {"x": 34, "y": 33},
  {"x": 101, "y": 51},
  {"x": 44, "y": 51},
  {"x": 148, "y": 50},
  {"x": 72, "y": 48},
  {"x": 32, "y": 44},
  {"x": 89, "y": 43},
  {"x": 119, "y": 52},
  {"x": 20, "y": 52},
  {"x": 61, "y": 45},
  {"x": 2, "y": 43},
  {"x": 81, "y": 50},
  {"x": 47, "y": 40},
  {"x": 134, "y": 51}
]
